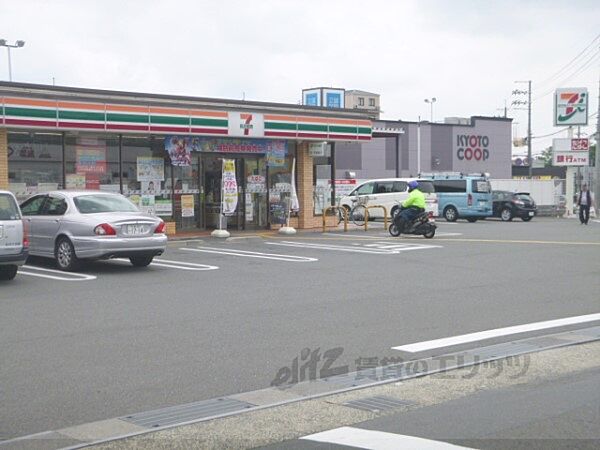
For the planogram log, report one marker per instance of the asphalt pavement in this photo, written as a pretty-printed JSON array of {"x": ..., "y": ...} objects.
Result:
[{"x": 214, "y": 318}]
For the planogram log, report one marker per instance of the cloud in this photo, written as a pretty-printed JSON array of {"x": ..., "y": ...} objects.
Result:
[{"x": 465, "y": 53}]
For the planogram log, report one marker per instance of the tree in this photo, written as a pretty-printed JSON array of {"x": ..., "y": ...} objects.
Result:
[{"x": 547, "y": 157}]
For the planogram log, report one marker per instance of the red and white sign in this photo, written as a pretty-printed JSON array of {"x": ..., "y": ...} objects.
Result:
[
  {"x": 246, "y": 124},
  {"x": 582, "y": 145},
  {"x": 570, "y": 158},
  {"x": 571, "y": 145}
]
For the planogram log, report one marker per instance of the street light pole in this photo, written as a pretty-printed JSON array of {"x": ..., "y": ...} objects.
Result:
[
  {"x": 431, "y": 101},
  {"x": 8, "y": 46}
]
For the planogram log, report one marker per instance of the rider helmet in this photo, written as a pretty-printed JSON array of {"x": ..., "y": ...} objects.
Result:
[{"x": 413, "y": 185}]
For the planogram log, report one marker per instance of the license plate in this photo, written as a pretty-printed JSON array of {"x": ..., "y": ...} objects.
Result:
[
  {"x": 482, "y": 202},
  {"x": 531, "y": 213},
  {"x": 135, "y": 229}
]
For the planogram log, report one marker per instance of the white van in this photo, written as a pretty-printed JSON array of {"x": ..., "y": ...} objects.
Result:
[
  {"x": 14, "y": 246},
  {"x": 389, "y": 192}
]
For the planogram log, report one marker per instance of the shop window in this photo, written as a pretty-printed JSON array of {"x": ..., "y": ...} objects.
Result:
[
  {"x": 146, "y": 176},
  {"x": 322, "y": 181},
  {"x": 35, "y": 162},
  {"x": 92, "y": 162},
  {"x": 280, "y": 179}
]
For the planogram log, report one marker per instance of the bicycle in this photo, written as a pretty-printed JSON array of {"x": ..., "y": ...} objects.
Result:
[{"x": 356, "y": 214}]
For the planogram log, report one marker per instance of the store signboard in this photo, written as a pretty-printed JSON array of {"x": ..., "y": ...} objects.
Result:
[
  {"x": 571, "y": 158},
  {"x": 246, "y": 124},
  {"x": 570, "y": 145},
  {"x": 571, "y": 107},
  {"x": 240, "y": 145}
]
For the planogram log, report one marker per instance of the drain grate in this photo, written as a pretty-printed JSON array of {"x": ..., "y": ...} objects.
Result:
[
  {"x": 189, "y": 411},
  {"x": 377, "y": 404}
]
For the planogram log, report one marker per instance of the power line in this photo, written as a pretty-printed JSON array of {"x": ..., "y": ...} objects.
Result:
[
  {"x": 582, "y": 68},
  {"x": 566, "y": 66}
]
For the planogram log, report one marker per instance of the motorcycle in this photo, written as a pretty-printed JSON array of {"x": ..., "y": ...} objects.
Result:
[{"x": 420, "y": 225}]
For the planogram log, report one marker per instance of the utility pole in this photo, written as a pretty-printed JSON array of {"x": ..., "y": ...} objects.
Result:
[
  {"x": 528, "y": 104},
  {"x": 597, "y": 177},
  {"x": 529, "y": 131}
]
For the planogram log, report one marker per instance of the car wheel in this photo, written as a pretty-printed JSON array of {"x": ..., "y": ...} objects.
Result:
[
  {"x": 506, "y": 215},
  {"x": 8, "y": 272},
  {"x": 141, "y": 261},
  {"x": 471, "y": 219},
  {"x": 64, "y": 252},
  {"x": 526, "y": 218},
  {"x": 450, "y": 214}
]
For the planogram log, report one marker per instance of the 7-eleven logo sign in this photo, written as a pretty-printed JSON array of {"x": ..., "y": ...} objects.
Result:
[
  {"x": 246, "y": 124},
  {"x": 571, "y": 107}
]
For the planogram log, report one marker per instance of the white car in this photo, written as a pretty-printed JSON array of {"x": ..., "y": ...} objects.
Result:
[
  {"x": 389, "y": 192},
  {"x": 14, "y": 245}
]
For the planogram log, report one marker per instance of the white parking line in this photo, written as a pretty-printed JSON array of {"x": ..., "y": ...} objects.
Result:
[
  {"x": 64, "y": 276},
  {"x": 498, "y": 332},
  {"x": 248, "y": 254},
  {"x": 175, "y": 264},
  {"x": 377, "y": 440},
  {"x": 377, "y": 248}
]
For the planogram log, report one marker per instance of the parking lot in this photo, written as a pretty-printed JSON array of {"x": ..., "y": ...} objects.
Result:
[{"x": 212, "y": 317}]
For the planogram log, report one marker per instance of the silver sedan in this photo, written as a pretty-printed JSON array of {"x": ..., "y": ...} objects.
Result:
[{"x": 71, "y": 226}]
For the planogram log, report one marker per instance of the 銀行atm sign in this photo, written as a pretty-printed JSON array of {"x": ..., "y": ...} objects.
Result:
[{"x": 246, "y": 124}]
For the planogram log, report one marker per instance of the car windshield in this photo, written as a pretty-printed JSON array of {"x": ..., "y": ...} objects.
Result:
[
  {"x": 90, "y": 204},
  {"x": 8, "y": 208}
]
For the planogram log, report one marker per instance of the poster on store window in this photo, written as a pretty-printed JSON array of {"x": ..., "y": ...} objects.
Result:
[
  {"x": 187, "y": 206},
  {"x": 147, "y": 204},
  {"x": 163, "y": 207},
  {"x": 75, "y": 181},
  {"x": 91, "y": 156},
  {"x": 180, "y": 149},
  {"x": 276, "y": 151},
  {"x": 230, "y": 190},
  {"x": 150, "y": 168}
]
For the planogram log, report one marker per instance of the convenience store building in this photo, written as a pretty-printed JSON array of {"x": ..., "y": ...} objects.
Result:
[{"x": 165, "y": 152}]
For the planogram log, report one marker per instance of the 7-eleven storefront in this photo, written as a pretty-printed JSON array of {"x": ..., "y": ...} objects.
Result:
[{"x": 166, "y": 153}]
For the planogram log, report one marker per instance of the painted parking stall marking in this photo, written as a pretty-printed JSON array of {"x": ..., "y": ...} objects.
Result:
[
  {"x": 498, "y": 332},
  {"x": 249, "y": 254},
  {"x": 376, "y": 248},
  {"x": 376, "y": 440},
  {"x": 181, "y": 265},
  {"x": 51, "y": 274}
]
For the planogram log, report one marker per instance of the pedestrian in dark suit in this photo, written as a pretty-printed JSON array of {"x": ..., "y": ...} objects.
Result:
[{"x": 584, "y": 201}]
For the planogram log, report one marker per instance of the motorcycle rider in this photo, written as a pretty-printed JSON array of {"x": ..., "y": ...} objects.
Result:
[{"x": 412, "y": 206}]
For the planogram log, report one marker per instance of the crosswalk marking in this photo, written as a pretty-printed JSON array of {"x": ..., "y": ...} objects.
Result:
[{"x": 377, "y": 440}]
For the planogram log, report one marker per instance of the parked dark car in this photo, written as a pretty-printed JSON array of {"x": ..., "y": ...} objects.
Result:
[{"x": 508, "y": 205}]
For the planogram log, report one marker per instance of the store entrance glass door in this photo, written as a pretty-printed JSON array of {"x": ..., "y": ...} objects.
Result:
[
  {"x": 255, "y": 193},
  {"x": 212, "y": 186}
]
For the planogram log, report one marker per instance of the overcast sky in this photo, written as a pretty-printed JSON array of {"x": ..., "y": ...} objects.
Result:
[{"x": 467, "y": 54}]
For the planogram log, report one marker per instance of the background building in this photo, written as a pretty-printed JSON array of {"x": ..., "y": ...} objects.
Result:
[
  {"x": 369, "y": 101},
  {"x": 476, "y": 144}
]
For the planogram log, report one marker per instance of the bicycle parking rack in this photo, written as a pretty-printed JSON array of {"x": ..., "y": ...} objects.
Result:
[
  {"x": 385, "y": 217},
  {"x": 334, "y": 208}
]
